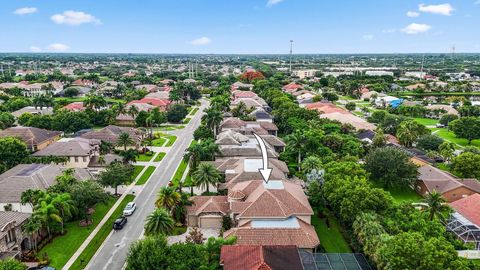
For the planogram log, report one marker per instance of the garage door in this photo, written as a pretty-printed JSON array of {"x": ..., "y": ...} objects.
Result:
[{"x": 210, "y": 222}]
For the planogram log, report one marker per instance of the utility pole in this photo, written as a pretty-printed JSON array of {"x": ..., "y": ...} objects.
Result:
[
  {"x": 291, "y": 53},
  {"x": 453, "y": 51},
  {"x": 421, "y": 69}
]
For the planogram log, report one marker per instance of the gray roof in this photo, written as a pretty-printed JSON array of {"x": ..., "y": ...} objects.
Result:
[
  {"x": 70, "y": 147},
  {"x": 32, "y": 176},
  {"x": 9, "y": 217},
  {"x": 33, "y": 110},
  {"x": 111, "y": 133},
  {"x": 30, "y": 135}
]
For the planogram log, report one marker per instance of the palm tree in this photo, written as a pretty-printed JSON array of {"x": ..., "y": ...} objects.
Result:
[
  {"x": 408, "y": 131},
  {"x": 48, "y": 213},
  {"x": 31, "y": 197},
  {"x": 210, "y": 149},
  {"x": 95, "y": 102},
  {"x": 133, "y": 111},
  {"x": 213, "y": 118},
  {"x": 66, "y": 206},
  {"x": 167, "y": 198},
  {"x": 436, "y": 204},
  {"x": 447, "y": 150},
  {"x": 159, "y": 222},
  {"x": 311, "y": 163},
  {"x": 296, "y": 142},
  {"x": 124, "y": 140},
  {"x": 130, "y": 156},
  {"x": 206, "y": 175},
  {"x": 32, "y": 227},
  {"x": 193, "y": 155}
]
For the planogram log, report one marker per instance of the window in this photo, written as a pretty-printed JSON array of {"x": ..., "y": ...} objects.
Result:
[
  {"x": 84, "y": 159},
  {"x": 10, "y": 237},
  {"x": 76, "y": 159}
]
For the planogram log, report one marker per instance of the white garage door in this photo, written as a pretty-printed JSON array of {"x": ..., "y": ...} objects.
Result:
[{"x": 210, "y": 222}]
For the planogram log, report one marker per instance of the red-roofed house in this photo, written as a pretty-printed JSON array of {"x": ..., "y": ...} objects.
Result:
[
  {"x": 243, "y": 94},
  {"x": 75, "y": 106},
  {"x": 85, "y": 83},
  {"x": 162, "y": 104},
  {"x": 256, "y": 257},
  {"x": 292, "y": 87},
  {"x": 465, "y": 222}
]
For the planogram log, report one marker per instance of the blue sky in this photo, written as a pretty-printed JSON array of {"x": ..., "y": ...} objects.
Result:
[{"x": 239, "y": 26}]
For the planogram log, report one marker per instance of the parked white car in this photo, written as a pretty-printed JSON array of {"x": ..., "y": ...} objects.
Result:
[{"x": 129, "y": 209}]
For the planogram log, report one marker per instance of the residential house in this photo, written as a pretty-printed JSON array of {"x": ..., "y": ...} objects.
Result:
[
  {"x": 243, "y": 94},
  {"x": 234, "y": 144},
  {"x": 292, "y": 87},
  {"x": 33, "y": 110},
  {"x": 452, "y": 189},
  {"x": 126, "y": 119},
  {"x": 85, "y": 83},
  {"x": 78, "y": 151},
  {"x": 241, "y": 86},
  {"x": 108, "y": 88},
  {"x": 31, "y": 176},
  {"x": 273, "y": 213},
  {"x": 241, "y": 169},
  {"x": 162, "y": 104},
  {"x": 260, "y": 115},
  {"x": 12, "y": 238},
  {"x": 465, "y": 221},
  {"x": 258, "y": 257},
  {"x": 248, "y": 127},
  {"x": 151, "y": 88},
  {"x": 34, "y": 138},
  {"x": 251, "y": 103},
  {"x": 76, "y": 106},
  {"x": 331, "y": 111},
  {"x": 111, "y": 134}
]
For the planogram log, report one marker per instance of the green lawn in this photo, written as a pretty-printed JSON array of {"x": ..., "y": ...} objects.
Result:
[
  {"x": 146, "y": 175},
  {"x": 426, "y": 121},
  {"x": 137, "y": 170},
  {"x": 187, "y": 120},
  {"x": 159, "y": 142},
  {"x": 145, "y": 157},
  {"x": 179, "y": 230},
  {"x": 159, "y": 157},
  {"x": 194, "y": 111},
  {"x": 331, "y": 238},
  {"x": 63, "y": 247},
  {"x": 401, "y": 194},
  {"x": 171, "y": 140},
  {"x": 102, "y": 234},
  {"x": 180, "y": 171},
  {"x": 450, "y": 136}
]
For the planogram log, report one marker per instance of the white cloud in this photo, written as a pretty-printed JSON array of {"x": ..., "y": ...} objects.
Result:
[
  {"x": 367, "y": 37},
  {"x": 71, "y": 17},
  {"x": 273, "y": 2},
  {"x": 201, "y": 41},
  {"x": 413, "y": 14},
  {"x": 416, "y": 28},
  {"x": 389, "y": 31},
  {"x": 25, "y": 10},
  {"x": 35, "y": 49},
  {"x": 58, "y": 47},
  {"x": 441, "y": 9}
]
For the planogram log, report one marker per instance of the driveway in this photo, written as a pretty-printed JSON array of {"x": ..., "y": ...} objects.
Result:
[{"x": 207, "y": 233}]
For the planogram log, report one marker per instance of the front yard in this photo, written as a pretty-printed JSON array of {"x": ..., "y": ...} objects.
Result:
[{"x": 63, "y": 247}]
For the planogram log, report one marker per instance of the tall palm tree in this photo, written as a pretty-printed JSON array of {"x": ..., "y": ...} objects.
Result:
[
  {"x": 193, "y": 155},
  {"x": 210, "y": 149},
  {"x": 436, "y": 204},
  {"x": 311, "y": 163},
  {"x": 32, "y": 227},
  {"x": 296, "y": 142},
  {"x": 167, "y": 198},
  {"x": 213, "y": 118},
  {"x": 64, "y": 203},
  {"x": 159, "y": 222},
  {"x": 31, "y": 197},
  {"x": 408, "y": 131},
  {"x": 133, "y": 111},
  {"x": 206, "y": 175},
  {"x": 124, "y": 140}
]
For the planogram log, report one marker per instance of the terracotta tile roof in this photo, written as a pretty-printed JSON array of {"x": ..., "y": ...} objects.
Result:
[
  {"x": 243, "y": 94},
  {"x": 265, "y": 202},
  {"x": 291, "y": 87},
  {"x": 303, "y": 237},
  {"x": 325, "y": 107},
  {"x": 74, "y": 106},
  {"x": 30, "y": 135},
  {"x": 208, "y": 204},
  {"x": 469, "y": 208},
  {"x": 260, "y": 258},
  {"x": 152, "y": 101},
  {"x": 111, "y": 134}
]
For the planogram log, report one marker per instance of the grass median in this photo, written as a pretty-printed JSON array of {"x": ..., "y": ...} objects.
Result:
[
  {"x": 146, "y": 175},
  {"x": 101, "y": 235},
  {"x": 159, "y": 157}
]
